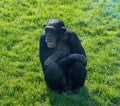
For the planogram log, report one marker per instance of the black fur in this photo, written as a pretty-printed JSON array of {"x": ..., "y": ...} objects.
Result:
[{"x": 62, "y": 57}]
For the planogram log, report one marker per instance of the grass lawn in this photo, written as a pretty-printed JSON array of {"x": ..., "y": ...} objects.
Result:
[{"x": 97, "y": 23}]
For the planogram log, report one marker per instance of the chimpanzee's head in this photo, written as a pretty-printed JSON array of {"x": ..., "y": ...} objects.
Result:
[{"x": 54, "y": 32}]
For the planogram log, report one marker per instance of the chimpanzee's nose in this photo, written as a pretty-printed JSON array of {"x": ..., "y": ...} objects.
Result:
[{"x": 48, "y": 38}]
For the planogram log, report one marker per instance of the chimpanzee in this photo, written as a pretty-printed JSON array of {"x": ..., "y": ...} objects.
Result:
[{"x": 62, "y": 57}]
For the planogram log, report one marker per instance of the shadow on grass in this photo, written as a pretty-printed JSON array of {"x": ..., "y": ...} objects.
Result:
[{"x": 81, "y": 99}]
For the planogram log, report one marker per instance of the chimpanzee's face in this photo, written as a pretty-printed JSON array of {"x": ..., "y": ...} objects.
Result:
[{"x": 51, "y": 37}]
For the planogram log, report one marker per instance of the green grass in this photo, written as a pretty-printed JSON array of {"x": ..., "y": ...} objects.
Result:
[{"x": 97, "y": 23}]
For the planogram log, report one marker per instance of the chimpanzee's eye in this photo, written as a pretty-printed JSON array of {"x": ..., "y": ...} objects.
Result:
[
  {"x": 46, "y": 29},
  {"x": 51, "y": 32}
]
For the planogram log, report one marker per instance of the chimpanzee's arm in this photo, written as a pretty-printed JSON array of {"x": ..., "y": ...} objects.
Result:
[
  {"x": 66, "y": 61},
  {"x": 46, "y": 55},
  {"x": 44, "y": 51},
  {"x": 76, "y": 47},
  {"x": 77, "y": 52},
  {"x": 54, "y": 58},
  {"x": 75, "y": 44}
]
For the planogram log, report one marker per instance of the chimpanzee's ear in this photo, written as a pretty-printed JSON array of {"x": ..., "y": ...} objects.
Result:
[{"x": 44, "y": 25}]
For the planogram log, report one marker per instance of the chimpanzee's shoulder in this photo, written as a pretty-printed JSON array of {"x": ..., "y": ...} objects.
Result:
[
  {"x": 71, "y": 34},
  {"x": 42, "y": 36}
]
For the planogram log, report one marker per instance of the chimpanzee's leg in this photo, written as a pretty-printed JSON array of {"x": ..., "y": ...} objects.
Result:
[
  {"x": 77, "y": 75},
  {"x": 55, "y": 77}
]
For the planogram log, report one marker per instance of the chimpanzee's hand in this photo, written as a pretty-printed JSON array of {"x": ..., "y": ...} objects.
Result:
[
  {"x": 48, "y": 61},
  {"x": 54, "y": 58},
  {"x": 83, "y": 60},
  {"x": 79, "y": 57}
]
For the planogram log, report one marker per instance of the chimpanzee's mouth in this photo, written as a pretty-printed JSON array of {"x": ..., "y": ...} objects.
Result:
[{"x": 50, "y": 43}]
